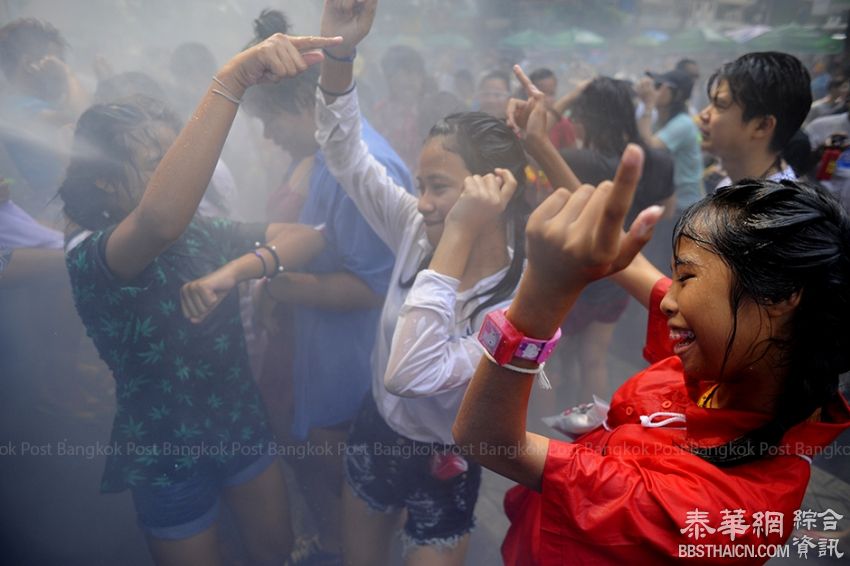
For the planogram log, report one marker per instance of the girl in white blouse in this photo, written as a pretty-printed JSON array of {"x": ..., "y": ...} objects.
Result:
[{"x": 459, "y": 253}]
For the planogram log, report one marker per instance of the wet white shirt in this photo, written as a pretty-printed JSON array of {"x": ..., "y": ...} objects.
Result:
[
  {"x": 786, "y": 174},
  {"x": 426, "y": 349}
]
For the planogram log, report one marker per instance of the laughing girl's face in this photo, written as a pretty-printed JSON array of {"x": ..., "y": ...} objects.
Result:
[{"x": 701, "y": 320}]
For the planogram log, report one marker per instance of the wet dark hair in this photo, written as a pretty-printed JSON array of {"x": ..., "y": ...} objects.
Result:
[
  {"x": 541, "y": 74},
  {"x": 682, "y": 64},
  {"x": 678, "y": 103},
  {"x": 106, "y": 140},
  {"x": 291, "y": 94},
  {"x": 485, "y": 143},
  {"x": 768, "y": 84},
  {"x": 27, "y": 37},
  {"x": 606, "y": 110},
  {"x": 270, "y": 22},
  {"x": 778, "y": 239}
]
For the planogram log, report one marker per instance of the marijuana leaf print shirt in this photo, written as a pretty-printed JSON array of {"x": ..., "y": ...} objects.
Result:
[{"x": 184, "y": 391}]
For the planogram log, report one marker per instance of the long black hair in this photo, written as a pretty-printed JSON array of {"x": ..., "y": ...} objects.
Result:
[
  {"x": 606, "y": 110},
  {"x": 678, "y": 105},
  {"x": 778, "y": 239},
  {"x": 485, "y": 143},
  {"x": 107, "y": 140}
]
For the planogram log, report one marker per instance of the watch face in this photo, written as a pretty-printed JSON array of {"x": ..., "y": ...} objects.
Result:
[
  {"x": 529, "y": 351},
  {"x": 490, "y": 336}
]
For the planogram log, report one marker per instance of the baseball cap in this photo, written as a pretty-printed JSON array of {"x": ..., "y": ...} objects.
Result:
[{"x": 680, "y": 80}]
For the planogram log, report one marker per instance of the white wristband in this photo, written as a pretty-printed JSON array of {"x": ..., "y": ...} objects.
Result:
[{"x": 538, "y": 371}]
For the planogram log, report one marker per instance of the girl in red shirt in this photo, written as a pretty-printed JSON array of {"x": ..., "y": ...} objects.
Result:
[{"x": 710, "y": 445}]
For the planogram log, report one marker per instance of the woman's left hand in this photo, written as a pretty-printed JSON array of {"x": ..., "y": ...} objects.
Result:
[
  {"x": 578, "y": 237},
  {"x": 483, "y": 200},
  {"x": 350, "y": 19},
  {"x": 531, "y": 116},
  {"x": 200, "y": 297},
  {"x": 645, "y": 89}
]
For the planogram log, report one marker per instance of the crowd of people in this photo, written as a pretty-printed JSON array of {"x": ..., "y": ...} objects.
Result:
[{"x": 412, "y": 273}]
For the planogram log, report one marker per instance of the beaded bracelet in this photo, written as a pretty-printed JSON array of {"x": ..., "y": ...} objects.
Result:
[{"x": 278, "y": 268}]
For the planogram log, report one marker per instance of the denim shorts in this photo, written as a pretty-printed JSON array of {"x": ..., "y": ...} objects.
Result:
[
  {"x": 187, "y": 508},
  {"x": 392, "y": 472}
]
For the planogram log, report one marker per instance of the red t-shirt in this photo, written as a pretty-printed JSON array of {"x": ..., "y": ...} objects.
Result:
[
  {"x": 628, "y": 493},
  {"x": 562, "y": 134}
]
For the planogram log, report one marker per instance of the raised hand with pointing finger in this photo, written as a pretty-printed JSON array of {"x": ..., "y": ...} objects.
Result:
[
  {"x": 530, "y": 120},
  {"x": 350, "y": 19},
  {"x": 577, "y": 238},
  {"x": 277, "y": 57}
]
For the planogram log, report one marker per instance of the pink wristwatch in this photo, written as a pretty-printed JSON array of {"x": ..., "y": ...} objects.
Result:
[{"x": 504, "y": 342}]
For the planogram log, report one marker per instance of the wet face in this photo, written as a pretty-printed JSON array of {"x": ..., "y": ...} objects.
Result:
[
  {"x": 701, "y": 320},
  {"x": 439, "y": 180},
  {"x": 722, "y": 125},
  {"x": 493, "y": 97},
  {"x": 293, "y": 132}
]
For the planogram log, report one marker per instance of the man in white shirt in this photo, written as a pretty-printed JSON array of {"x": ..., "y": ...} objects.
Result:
[{"x": 756, "y": 103}]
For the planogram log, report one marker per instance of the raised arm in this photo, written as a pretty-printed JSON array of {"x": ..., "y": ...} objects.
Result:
[
  {"x": 530, "y": 117},
  {"x": 387, "y": 207},
  {"x": 573, "y": 239},
  {"x": 646, "y": 92},
  {"x": 178, "y": 183},
  {"x": 351, "y": 20},
  {"x": 562, "y": 104}
]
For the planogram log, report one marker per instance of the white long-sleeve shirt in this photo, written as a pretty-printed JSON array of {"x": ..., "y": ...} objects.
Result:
[{"x": 426, "y": 349}]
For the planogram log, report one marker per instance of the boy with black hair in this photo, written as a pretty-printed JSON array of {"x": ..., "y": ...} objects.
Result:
[
  {"x": 334, "y": 301},
  {"x": 756, "y": 104}
]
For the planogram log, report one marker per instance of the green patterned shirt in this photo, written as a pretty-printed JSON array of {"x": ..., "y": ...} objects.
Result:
[{"x": 185, "y": 394}]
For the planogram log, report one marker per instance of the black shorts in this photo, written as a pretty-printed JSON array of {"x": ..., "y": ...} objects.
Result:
[{"x": 391, "y": 472}]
